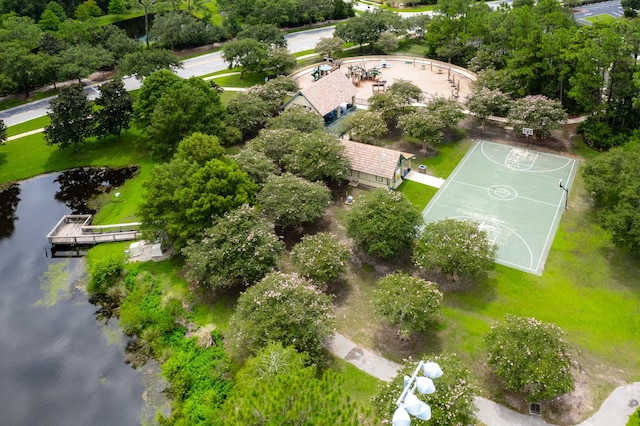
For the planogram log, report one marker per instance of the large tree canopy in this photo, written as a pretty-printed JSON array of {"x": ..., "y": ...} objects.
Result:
[
  {"x": 612, "y": 179},
  {"x": 71, "y": 118}
]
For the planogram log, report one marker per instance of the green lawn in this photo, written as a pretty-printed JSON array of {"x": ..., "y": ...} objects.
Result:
[
  {"x": 234, "y": 80},
  {"x": 634, "y": 420},
  {"x": 417, "y": 193},
  {"x": 36, "y": 123},
  {"x": 603, "y": 18}
]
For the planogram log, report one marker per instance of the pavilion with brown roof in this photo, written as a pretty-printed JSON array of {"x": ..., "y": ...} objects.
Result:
[
  {"x": 330, "y": 96},
  {"x": 376, "y": 166}
]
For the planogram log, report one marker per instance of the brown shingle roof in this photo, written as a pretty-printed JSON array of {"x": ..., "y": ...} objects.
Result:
[
  {"x": 329, "y": 92},
  {"x": 373, "y": 159}
]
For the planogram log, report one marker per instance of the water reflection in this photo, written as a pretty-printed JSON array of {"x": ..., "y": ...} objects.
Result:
[
  {"x": 9, "y": 198},
  {"x": 77, "y": 186}
]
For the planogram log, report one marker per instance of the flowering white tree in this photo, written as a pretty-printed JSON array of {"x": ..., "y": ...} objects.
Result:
[
  {"x": 483, "y": 102},
  {"x": 531, "y": 358},
  {"x": 284, "y": 308},
  {"x": 316, "y": 156},
  {"x": 322, "y": 257},
  {"x": 409, "y": 314},
  {"x": 239, "y": 249},
  {"x": 365, "y": 126},
  {"x": 454, "y": 247},
  {"x": 451, "y": 403},
  {"x": 536, "y": 112}
]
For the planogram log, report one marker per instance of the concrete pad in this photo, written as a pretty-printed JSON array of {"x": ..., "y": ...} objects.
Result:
[
  {"x": 424, "y": 179},
  {"x": 493, "y": 414},
  {"x": 617, "y": 408}
]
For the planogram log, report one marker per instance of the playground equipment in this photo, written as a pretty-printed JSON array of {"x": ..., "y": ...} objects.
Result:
[
  {"x": 316, "y": 74},
  {"x": 358, "y": 73}
]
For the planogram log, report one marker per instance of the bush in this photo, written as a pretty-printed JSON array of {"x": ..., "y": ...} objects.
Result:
[
  {"x": 409, "y": 314},
  {"x": 457, "y": 248},
  {"x": 321, "y": 257},
  {"x": 383, "y": 223},
  {"x": 531, "y": 358},
  {"x": 105, "y": 273}
]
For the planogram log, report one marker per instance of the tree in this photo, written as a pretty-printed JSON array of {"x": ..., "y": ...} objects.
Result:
[
  {"x": 279, "y": 62},
  {"x": 246, "y": 53},
  {"x": 387, "y": 42},
  {"x": 78, "y": 62},
  {"x": 289, "y": 200},
  {"x": 452, "y": 403},
  {"x": 538, "y": 113},
  {"x": 365, "y": 126},
  {"x": 316, "y": 156},
  {"x": 388, "y": 105},
  {"x": 483, "y": 102},
  {"x": 410, "y": 314},
  {"x": 116, "y": 109},
  {"x": 283, "y": 308},
  {"x": 248, "y": 112},
  {"x": 49, "y": 21},
  {"x": 87, "y": 10},
  {"x": 153, "y": 88},
  {"x": 322, "y": 258},
  {"x": 238, "y": 250},
  {"x": 20, "y": 67},
  {"x": 71, "y": 118},
  {"x": 611, "y": 179},
  {"x": 3, "y": 132},
  {"x": 405, "y": 92},
  {"x": 531, "y": 358},
  {"x": 274, "y": 143},
  {"x": 199, "y": 148},
  {"x": 117, "y": 7},
  {"x": 182, "y": 197},
  {"x": 145, "y": 62},
  {"x": 297, "y": 118},
  {"x": 383, "y": 223},
  {"x": 116, "y": 41},
  {"x": 187, "y": 106},
  {"x": 367, "y": 27},
  {"x": 148, "y": 7},
  {"x": 456, "y": 248},
  {"x": 423, "y": 125},
  {"x": 268, "y": 34},
  {"x": 329, "y": 47},
  {"x": 276, "y": 387},
  {"x": 256, "y": 164}
]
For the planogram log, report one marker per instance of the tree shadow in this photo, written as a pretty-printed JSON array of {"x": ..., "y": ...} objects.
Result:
[
  {"x": 9, "y": 199},
  {"x": 388, "y": 342}
]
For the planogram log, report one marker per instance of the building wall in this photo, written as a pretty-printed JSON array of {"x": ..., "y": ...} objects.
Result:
[
  {"x": 299, "y": 100},
  {"x": 369, "y": 179}
]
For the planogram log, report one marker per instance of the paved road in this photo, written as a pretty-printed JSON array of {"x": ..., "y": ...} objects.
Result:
[
  {"x": 194, "y": 67},
  {"x": 613, "y": 8}
]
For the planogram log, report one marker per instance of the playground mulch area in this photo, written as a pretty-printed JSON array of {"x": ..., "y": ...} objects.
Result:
[
  {"x": 435, "y": 78},
  {"x": 513, "y": 193}
]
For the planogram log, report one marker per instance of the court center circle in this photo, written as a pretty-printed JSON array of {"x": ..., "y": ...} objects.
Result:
[{"x": 502, "y": 192}]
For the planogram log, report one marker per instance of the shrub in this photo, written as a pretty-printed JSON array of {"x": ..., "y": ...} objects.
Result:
[{"x": 321, "y": 257}]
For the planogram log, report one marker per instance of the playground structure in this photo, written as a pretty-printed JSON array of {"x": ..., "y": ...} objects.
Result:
[
  {"x": 325, "y": 68},
  {"x": 359, "y": 72}
]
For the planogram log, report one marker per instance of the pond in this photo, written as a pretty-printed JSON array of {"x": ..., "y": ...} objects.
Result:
[
  {"x": 59, "y": 365},
  {"x": 134, "y": 27}
]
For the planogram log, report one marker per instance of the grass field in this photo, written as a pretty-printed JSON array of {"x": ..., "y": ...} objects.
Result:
[{"x": 603, "y": 18}]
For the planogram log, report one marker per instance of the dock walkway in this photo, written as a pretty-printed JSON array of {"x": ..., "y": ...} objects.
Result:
[{"x": 76, "y": 230}]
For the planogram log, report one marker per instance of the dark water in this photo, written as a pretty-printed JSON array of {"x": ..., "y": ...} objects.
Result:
[
  {"x": 134, "y": 27},
  {"x": 59, "y": 366}
]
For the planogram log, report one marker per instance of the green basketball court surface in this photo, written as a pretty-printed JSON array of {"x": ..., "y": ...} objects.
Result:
[{"x": 513, "y": 194}]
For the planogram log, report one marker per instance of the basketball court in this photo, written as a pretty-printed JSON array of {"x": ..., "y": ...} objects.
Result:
[{"x": 513, "y": 194}]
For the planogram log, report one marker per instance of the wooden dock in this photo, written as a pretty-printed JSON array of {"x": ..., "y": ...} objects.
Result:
[{"x": 76, "y": 230}]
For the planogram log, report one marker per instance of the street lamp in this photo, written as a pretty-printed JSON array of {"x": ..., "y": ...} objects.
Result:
[
  {"x": 566, "y": 198},
  {"x": 409, "y": 404}
]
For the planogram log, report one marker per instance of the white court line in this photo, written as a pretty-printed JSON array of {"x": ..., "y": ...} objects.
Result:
[
  {"x": 517, "y": 196},
  {"x": 555, "y": 224},
  {"x": 488, "y": 157}
]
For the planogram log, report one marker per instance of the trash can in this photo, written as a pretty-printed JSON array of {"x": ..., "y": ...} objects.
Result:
[{"x": 422, "y": 168}]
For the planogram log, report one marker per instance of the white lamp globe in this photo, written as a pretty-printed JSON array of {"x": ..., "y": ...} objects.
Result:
[
  {"x": 401, "y": 417},
  {"x": 412, "y": 404},
  {"x": 425, "y": 412},
  {"x": 432, "y": 370},
  {"x": 425, "y": 385}
]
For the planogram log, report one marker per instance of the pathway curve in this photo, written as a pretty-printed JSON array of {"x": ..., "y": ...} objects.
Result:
[{"x": 615, "y": 410}]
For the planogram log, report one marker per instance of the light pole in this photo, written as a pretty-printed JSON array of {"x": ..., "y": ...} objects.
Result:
[
  {"x": 408, "y": 403},
  {"x": 566, "y": 198}
]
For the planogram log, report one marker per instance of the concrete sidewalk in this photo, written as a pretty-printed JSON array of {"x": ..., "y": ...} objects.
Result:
[
  {"x": 424, "y": 179},
  {"x": 615, "y": 411}
]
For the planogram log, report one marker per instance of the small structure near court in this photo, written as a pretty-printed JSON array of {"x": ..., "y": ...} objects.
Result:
[{"x": 376, "y": 166}]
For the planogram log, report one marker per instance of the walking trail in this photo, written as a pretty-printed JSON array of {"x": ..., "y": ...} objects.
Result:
[{"x": 615, "y": 410}]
